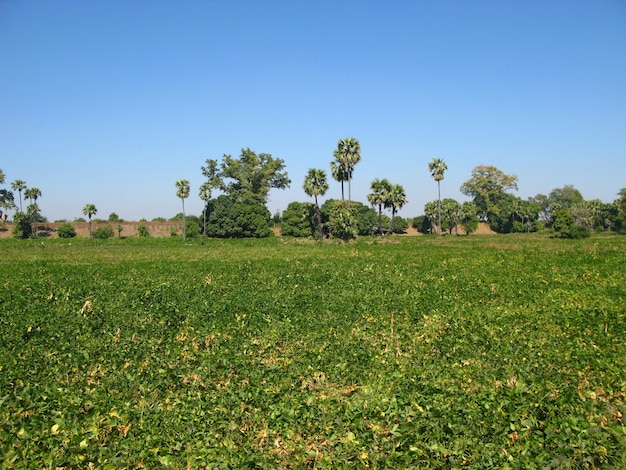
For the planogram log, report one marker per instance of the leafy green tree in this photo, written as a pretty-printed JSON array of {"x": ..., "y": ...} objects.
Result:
[
  {"x": 488, "y": 187},
  {"x": 396, "y": 200},
  {"x": 19, "y": 186},
  {"x": 342, "y": 220},
  {"x": 297, "y": 220},
  {"x": 431, "y": 211},
  {"x": 90, "y": 210},
  {"x": 379, "y": 197},
  {"x": 316, "y": 184},
  {"x": 22, "y": 227},
  {"x": 103, "y": 232},
  {"x": 400, "y": 225},
  {"x": 469, "y": 219},
  {"x": 248, "y": 178},
  {"x": 66, "y": 231},
  {"x": 422, "y": 224},
  {"x": 230, "y": 219},
  {"x": 113, "y": 217},
  {"x": 451, "y": 212},
  {"x": 182, "y": 191},
  {"x": 437, "y": 169},
  {"x": 347, "y": 155}
]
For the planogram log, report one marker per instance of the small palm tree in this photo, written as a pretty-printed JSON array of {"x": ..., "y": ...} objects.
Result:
[
  {"x": 90, "y": 210},
  {"x": 315, "y": 184},
  {"x": 437, "y": 168},
  {"x": 205, "y": 194},
  {"x": 19, "y": 186},
  {"x": 396, "y": 200},
  {"x": 378, "y": 197},
  {"x": 182, "y": 191}
]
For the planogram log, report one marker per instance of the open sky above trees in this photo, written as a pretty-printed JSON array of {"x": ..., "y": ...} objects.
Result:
[{"x": 110, "y": 103}]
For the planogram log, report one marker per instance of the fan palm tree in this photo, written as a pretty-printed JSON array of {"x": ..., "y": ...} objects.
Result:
[
  {"x": 205, "y": 194},
  {"x": 19, "y": 186},
  {"x": 315, "y": 184},
  {"x": 347, "y": 155},
  {"x": 396, "y": 199},
  {"x": 32, "y": 194},
  {"x": 437, "y": 168},
  {"x": 182, "y": 191},
  {"x": 90, "y": 210},
  {"x": 378, "y": 197}
]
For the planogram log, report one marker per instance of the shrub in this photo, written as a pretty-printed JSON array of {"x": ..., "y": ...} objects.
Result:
[
  {"x": 342, "y": 221},
  {"x": 66, "y": 231},
  {"x": 101, "y": 233},
  {"x": 298, "y": 220},
  {"x": 400, "y": 225},
  {"x": 142, "y": 230},
  {"x": 21, "y": 226},
  {"x": 230, "y": 219}
]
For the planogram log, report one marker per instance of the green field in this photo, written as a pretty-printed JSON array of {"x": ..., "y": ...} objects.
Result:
[{"x": 478, "y": 352}]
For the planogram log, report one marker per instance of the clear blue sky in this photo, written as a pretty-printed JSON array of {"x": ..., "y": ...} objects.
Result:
[{"x": 110, "y": 102}]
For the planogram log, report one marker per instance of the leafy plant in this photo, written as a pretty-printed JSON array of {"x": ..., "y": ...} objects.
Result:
[
  {"x": 103, "y": 232},
  {"x": 66, "y": 231}
]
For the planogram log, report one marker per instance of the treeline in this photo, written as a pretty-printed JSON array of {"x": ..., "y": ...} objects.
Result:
[{"x": 236, "y": 190}]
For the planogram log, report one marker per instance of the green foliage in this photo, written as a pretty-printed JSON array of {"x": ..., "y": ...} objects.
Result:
[
  {"x": 400, "y": 225},
  {"x": 488, "y": 186},
  {"x": 248, "y": 178},
  {"x": 113, "y": 217},
  {"x": 298, "y": 220},
  {"x": 342, "y": 220},
  {"x": 142, "y": 230},
  {"x": 565, "y": 226},
  {"x": 422, "y": 224},
  {"x": 498, "y": 352},
  {"x": 230, "y": 219},
  {"x": 103, "y": 232},
  {"x": 21, "y": 226},
  {"x": 66, "y": 231}
]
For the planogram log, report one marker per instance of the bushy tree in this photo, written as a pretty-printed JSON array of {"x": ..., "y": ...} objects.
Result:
[
  {"x": 400, "y": 225},
  {"x": 488, "y": 187},
  {"x": 103, "y": 232},
  {"x": 342, "y": 220},
  {"x": 22, "y": 227},
  {"x": 469, "y": 219},
  {"x": 298, "y": 220},
  {"x": 66, "y": 231},
  {"x": 422, "y": 224},
  {"x": 230, "y": 219}
]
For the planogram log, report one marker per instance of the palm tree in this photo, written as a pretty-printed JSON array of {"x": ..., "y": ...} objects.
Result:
[
  {"x": 32, "y": 194},
  {"x": 315, "y": 184},
  {"x": 90, "y": 210},
  {"x": 396, "y": 199},
  {"x": 205, "y": 194},
  {"x": 378, "y": 197},
  {"x": 437, "y": 168},
  {"x": 347, "y": 155},
  {"x": 19, "y": 185},
  {"x": 182, "y": 191}
]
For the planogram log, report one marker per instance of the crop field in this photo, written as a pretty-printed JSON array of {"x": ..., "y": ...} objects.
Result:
[{"x": 416, "y": 352}]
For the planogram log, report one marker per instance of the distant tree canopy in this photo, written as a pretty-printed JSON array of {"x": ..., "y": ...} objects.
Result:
[
  {"x": 231, "y": 219},
  {"x": 488, "y": 186},
  {"x": 247, "y": 178}
]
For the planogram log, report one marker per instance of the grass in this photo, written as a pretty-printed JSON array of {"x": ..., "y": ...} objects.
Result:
[{"x": 477, "y": 352}]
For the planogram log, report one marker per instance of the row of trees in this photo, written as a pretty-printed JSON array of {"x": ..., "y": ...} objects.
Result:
[
  {"x": 244, "y": 183},
  {"x": 24, "y": 222}
]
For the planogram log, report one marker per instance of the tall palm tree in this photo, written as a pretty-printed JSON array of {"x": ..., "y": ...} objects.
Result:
[
  {"x": 19, "y": 186},
  {"x": 315, "y": 184},
  {"x": 396, "y": 199},
  {"x": 347, "y": 155},
  {"x": 89, "y": 210},
  {"x": 437, "y": 168},
  {"x": 205, "y": 194},
  {"x": 378, "y": 197},
  {"x": 182, "y": 191}
]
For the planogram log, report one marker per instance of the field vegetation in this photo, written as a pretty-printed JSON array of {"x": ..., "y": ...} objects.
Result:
[{"x": 501, "y": 351}]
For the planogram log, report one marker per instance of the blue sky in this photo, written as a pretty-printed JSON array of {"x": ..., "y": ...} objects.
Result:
[{"x": 111, "y": 102}]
